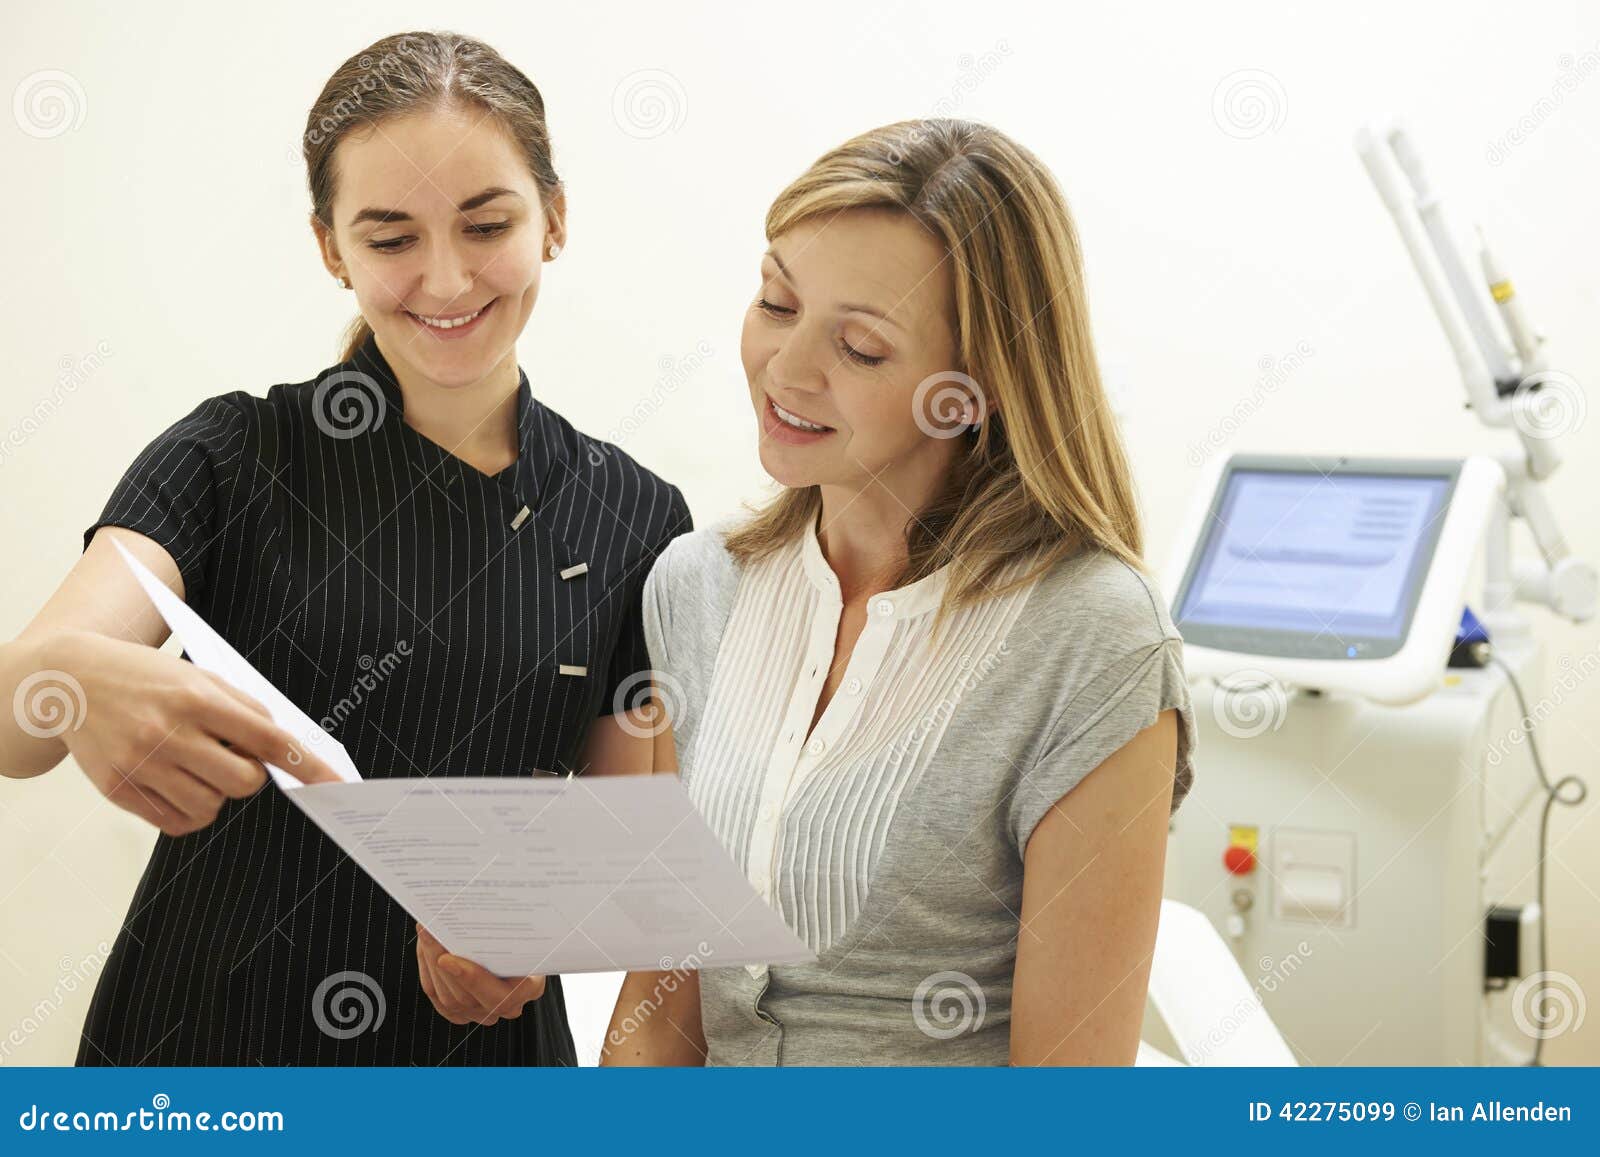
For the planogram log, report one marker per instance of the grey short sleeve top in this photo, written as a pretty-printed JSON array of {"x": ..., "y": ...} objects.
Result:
[{"x": 890, "y": 835}]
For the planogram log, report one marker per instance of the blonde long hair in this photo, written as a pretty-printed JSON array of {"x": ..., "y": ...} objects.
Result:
[{"x": 1045, "y": 474}]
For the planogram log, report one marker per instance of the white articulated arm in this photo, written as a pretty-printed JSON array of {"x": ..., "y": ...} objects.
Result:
[{"x": 1556, "y": 579}]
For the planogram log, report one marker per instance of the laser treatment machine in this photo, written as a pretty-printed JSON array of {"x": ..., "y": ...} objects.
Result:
[{"x": 1368, "y": 826}]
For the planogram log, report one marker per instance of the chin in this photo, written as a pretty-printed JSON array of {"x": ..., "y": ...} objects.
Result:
[
  {"x": 447, "y": 366},
  {"x": 784, "y": 471}
]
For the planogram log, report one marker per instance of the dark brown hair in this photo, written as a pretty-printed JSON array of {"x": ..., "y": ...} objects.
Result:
[{"x": 419, "y": 72}]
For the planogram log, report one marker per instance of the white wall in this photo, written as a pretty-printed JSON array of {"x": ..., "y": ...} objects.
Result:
[{"x": 1207, "y": 158}]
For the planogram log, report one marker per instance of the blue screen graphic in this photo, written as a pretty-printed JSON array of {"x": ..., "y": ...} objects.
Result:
[{"x": 1309, "y": 554}]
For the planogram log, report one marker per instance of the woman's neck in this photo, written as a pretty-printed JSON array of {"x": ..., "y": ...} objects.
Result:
[
  {"x": 862, "y": 534},
  {"x": 862, "y": 530},
  {"x": 476, "y": 422}
]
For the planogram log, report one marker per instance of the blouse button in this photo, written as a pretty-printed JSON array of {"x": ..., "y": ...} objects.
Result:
[
  {"x": 885, "y": 608},
  {"x": 853, "y": 687},
  {"x": 816, "y": 747}
]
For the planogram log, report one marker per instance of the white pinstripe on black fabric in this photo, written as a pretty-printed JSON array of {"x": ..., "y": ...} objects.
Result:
[{"x": 318, "y": 557}]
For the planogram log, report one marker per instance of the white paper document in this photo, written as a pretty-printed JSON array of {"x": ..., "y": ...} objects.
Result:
[
  {"x": 527, "y": 874},
  {"x": 556, "y": 875}
]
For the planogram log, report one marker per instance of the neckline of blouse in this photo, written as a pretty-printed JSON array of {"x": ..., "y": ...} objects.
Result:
[
  {"x": 917, "y": 598},
  {"x": 524, "y": 477}
]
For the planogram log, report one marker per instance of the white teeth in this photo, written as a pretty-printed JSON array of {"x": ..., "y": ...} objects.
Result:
[
  {"x": 792, "y": 420},
  {"x": 440, "y": 323}
]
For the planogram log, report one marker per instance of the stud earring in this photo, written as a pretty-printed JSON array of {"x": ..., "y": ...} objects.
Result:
[
  {"x": 344, "y": 281},
  {"x": 552, "y": 250}
]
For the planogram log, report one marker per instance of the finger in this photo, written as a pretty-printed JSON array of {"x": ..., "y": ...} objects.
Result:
[
  {"x": 262, "y": 738},
  {"x": 425, "y": 978},
  {"x": 197, "y": 798},
  {"x": 435, "y": 990},
  {"x": 230, "y": 717},
  {"x": 233, "y": 775},
  {"x": 459, "y": 999},
  {"x": 176, "y": 801},
  {"x": 462, "y": 1003},
  {"x": 483, "y": 985},
  {"x": 250, "y": 702},
  {"x": 147, "y": 805},
  {"x": 503, "y": 997},
  {"x": 452, "y": 993},
  {"x": 151, "y": 806},
  {"x": 434, "y": 987}
]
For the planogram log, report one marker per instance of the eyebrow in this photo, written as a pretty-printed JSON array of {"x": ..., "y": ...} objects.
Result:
[
  {"x": 846, "y": 307},
  {"x": 476, "y": 201}
]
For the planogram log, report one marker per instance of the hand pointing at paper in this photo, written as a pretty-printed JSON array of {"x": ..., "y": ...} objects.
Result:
[
  {"x": 465, "y": 992},
  {"x": 156, "y": 736},
  {"x": 167, "y": 741}
]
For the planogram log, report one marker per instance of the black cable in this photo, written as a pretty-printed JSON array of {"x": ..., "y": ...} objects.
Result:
[{"x": 1552, "y": 796}]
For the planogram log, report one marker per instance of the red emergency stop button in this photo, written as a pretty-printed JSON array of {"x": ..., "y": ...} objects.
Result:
[{"x": 1239, "y": 859}]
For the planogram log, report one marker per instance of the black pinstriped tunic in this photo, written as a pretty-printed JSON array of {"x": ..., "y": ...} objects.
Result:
[{"x": 402, "y": 598}]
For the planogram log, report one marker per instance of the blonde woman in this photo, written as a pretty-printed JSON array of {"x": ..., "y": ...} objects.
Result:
[{"x": 929, "y": 698}]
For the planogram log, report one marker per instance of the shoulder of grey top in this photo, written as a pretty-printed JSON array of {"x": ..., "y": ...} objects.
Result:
[
  {"x": 709, "y": 540},
  {"x": 1095, "y": 594},
  {"x": 698, "y": 555}
]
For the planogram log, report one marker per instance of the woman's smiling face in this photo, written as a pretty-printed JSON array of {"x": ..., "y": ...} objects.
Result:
[
  {"x": 437, "y": 217},
  {"x": 855, "y": 311}
]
